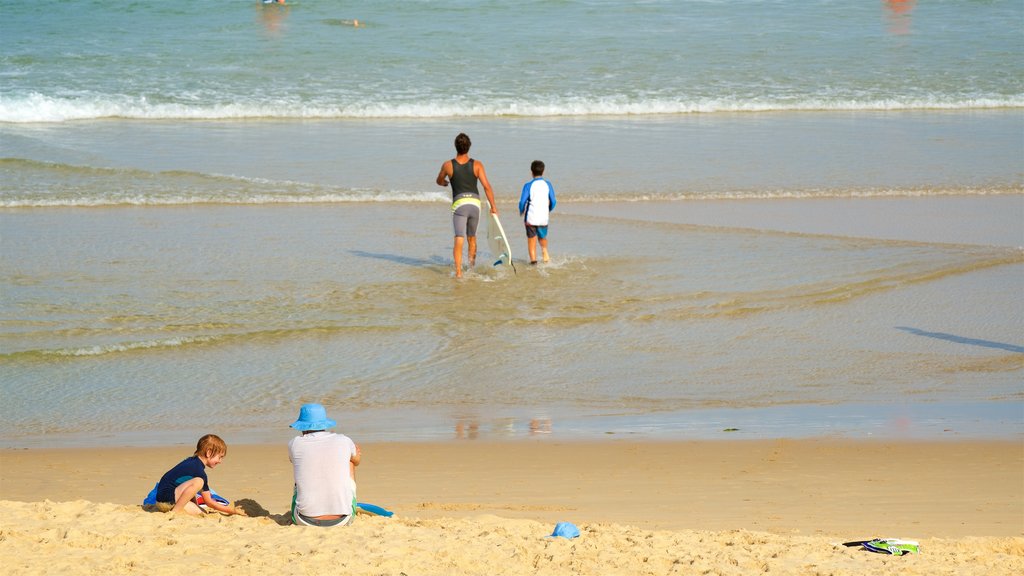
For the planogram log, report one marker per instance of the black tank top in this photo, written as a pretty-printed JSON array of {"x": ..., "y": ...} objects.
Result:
[{"x": 463, "y": 181}]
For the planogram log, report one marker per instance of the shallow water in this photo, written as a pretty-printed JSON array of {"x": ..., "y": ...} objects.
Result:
[
  {"x": 245, "y": 311},
  {"x": 727, "y": 156}
]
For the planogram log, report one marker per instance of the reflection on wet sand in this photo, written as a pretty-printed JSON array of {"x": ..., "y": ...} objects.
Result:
[{"x": 469, "y": 428}]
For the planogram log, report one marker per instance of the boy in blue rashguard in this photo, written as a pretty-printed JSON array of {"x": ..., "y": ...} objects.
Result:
[{"x": 535, "y": 205}]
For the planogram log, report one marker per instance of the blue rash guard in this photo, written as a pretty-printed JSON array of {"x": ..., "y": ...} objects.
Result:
[{"x": 537, "y": 201}]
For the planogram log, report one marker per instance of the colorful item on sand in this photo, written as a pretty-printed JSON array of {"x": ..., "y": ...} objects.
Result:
[
  {"x": 892, "y": 546},
  {"x": 373, "y": 509},
  {"x": 220, "y": 499}
]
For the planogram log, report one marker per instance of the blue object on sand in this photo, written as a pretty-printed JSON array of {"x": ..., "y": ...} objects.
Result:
[
  {"x": 372, "y": 509},
  {"x": 565, "y": 530},
  {"x": 151, "y": 497}
]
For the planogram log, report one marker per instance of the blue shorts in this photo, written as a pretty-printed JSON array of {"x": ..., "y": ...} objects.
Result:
[{"x": 536, "y": 231}]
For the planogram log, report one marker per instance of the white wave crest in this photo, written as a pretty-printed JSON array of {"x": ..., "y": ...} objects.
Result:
[
  {"x": 810, "y": 193},
  {"x": 129, "y": 346},
  {"x": 238, "y": 199},
  {"x": 35, "y": 107},
  {"x": 431, "y": 197}
]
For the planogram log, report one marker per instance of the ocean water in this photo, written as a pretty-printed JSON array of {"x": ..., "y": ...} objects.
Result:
[
  {"x": 786, "y": 218},
  {"x": 426, "y": 59}
]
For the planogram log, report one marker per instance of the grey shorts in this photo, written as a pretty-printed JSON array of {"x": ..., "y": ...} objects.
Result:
[{"x": 465, "y": 220}]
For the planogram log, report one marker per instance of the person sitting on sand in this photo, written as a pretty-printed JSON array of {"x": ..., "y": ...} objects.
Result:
[
  {"x": 325, "y": 471},
  {"x": 180, "y": 484}
]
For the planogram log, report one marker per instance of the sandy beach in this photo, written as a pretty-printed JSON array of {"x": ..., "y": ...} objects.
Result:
[{"x": 466, "y": 507}]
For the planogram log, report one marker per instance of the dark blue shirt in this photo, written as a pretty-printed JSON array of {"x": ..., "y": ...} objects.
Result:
[{"x": 188, "y": 469}]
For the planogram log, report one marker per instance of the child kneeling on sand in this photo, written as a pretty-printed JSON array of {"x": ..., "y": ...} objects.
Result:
[{"x": 180, "y": 484}]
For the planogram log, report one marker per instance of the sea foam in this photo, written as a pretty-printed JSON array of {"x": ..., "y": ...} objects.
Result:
[{"x": 40, "y": 108}]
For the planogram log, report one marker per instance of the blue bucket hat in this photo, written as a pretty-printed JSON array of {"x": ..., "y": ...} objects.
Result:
[
  {"x": 313, "y": 417},
  {"x": 565, "y": 530}
]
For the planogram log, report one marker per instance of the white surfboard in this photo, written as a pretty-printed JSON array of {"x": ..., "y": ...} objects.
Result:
[{"x": 497, "y": 241}]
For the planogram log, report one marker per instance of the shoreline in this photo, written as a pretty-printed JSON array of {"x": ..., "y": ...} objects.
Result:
[{"x": 951, "y": 421}]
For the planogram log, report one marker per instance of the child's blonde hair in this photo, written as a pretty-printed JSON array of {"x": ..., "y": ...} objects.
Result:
[{"x": 210, "y": 445}]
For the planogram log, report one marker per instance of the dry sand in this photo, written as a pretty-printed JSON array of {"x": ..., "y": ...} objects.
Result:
[{"x": 718, "y": 507}]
